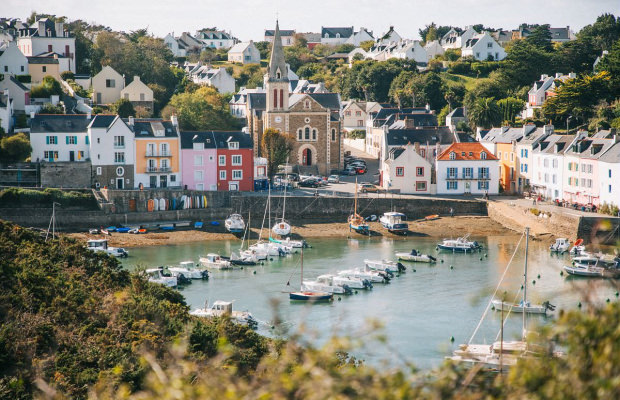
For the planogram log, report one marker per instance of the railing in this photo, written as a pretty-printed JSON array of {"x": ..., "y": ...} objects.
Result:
[
  {"x": 160, "y": 154},
  {"x": 119, "y": 146},
  {"x": 156, "y": 169}
]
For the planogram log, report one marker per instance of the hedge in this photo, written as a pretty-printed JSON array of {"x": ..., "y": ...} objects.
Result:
[{"x": 18, "y": 197}]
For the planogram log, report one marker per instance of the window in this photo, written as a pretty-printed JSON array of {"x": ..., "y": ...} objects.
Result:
[
  {"x": 6, "y": 68},
  {"x": 423, "y": 153},
  {"x": 222, "y": 175},
  {"x": 71, "y": 139},
  {"x": 237, "y": 174},
  {"x": 358, "y": 113},
  {"x": 452, "y": 155},
  {"x": 489, "y": 45},
  {"x": 468, "y": 172},
  {"x": 236, "y": 159},
  {"x": 360, "y": 122},
  {"x": 400, "y": 171},
  {"x": 141, "y": 96},
  {"x": 198, "y": 176},
  {"x": 333, "y": 135},
  {"x": 477, "y": 55},
  {"x": 512, "y": 157},
  {"x": 87, "y": 140},
  {"x": 419, "y": 171},
  {"x": 483, "y": 155},
  {"x": 347, "y": 113},
  {"x": 51, "y": 140},
  {"x": 546, "y": 178},
  {"x": 198, "y": 146},
  {"x": 120, "y": 171},
  {"x": 119, "y": 158},
  {"x": 164, "y": 149},
  {"x": 609, "y": 172},
  {"x": 49, "y": 48},
  {"x": 307, "y": 133},
  {"x": 452, "y": 173},
  {"x": 546, "y": 163},
  {"x": 483, "y": 185},
  {"x": 554, "y": 178},
  {"x": 44, "y": 69},
  {"x": 420, "y": 186},
  {"x": 554, "y": 163},
  {"x": 525, "y": 168},
  {"x": 99, "y": 170},
  {"x": 299, "y": 134},
  {"x": 164, "y": 164},
  {"x": 314, "y": 134},
  {"x": 198, "y": 161},
  {"x": 589, "y": 169},
  {"x": 462, "y": 154},
  {"x": 50, "y": 155},
  {"x": 499, "y": 155},
  {"x": 221, "y": 160},
  {"x": 119, "y": 142},
  {"x": 483, "y": 173},
  {"x": 233, "y": 145},
  {"x": 609, "y": 189},
  {"x": 109, "y": 83},
  {"x": 22, "y": 68},
  {"x": 307, "y": 104},
  {"x": 452, "y": 185},
  {"x": 506, "y": 155}
]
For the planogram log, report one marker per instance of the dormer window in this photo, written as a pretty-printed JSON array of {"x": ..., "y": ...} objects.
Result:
[
  {"x": 483, "y": 155},
  {"x": 452, "y": 155},
  {"x": 233, "y": 145},
  {"x": 462, "y": 154}
]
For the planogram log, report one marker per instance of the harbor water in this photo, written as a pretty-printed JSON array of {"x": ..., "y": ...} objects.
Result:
[{"x": 418, "y": 312}]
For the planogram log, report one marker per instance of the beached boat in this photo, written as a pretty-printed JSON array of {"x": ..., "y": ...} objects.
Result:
[
  {"x": 416, "y": 256},
  {"x": 214, "y": 261},
  {"x": 459, "y": 245},
  {"x": 157, "y": 275},
  {"x": 431, "y": 217},
  {"x": 394, "y": 222},
  {"x": 224, "y": 308},
  {"x": 325, "y": 283},
  {"x": 561, "y": 245},
  {"x": 357, "y": 222},
  {"x": 393, "y": 267},
  {"x": 234, "y": 223},
  {"x": 189, "y": 270},
  {"x": 308, "y": 295}
]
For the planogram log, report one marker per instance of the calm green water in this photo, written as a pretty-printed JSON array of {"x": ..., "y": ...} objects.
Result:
[{"x": 419, "y": 310}]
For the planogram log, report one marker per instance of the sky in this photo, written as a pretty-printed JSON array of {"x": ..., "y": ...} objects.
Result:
[{"x": 247, "y": 19}]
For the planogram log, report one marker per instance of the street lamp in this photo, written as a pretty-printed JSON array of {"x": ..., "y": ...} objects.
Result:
[{"x": 568, "y": 119}]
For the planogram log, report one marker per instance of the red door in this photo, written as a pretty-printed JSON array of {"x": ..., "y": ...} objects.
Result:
[{"x": 306, "y": 157}]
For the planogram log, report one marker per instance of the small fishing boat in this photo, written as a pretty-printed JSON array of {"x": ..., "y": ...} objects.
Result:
[
  {"x": 241, "y": 260},
  {"x": 308, "y": 295},
  {"x": 431, "y": 217},
  {"x": 325, "y": 283},
  {"x": 591, "y": 266},
  {"x": 295, "y": 244},
  {"x": 459, "y": 245},
  {"x": 416, "y": 256},
  {"x": 394, "y": 222},
  {"x": 123, "y": 230},
  {"x": 157, "y": 275},
  {"x": 578, "y": 248},
  {"x": 101, "y": 245},
  {"x": 253, "y": 254},
  {"x": 385, "y": 265},
  {"x": 372, "y": 276},
  {"x": 561, "y": 245},
  {"x": 356, "y": 221},
  {"x": 520, "y": 308},
  {"x": 270, "y": 249},
  {"x": 224, "y": 308},
  {"x": 189, "y": 270},
  {"x": 234, "y": 223},
  {"x": 352, "y": 282},
  {"x": 214, "y": 261}
]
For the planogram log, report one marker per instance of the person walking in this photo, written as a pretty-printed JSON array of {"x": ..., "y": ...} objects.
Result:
[{"x": 451, "y": 212}]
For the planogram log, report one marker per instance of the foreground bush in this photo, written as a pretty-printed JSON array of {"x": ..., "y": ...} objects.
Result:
[{"x": 18, "y": 197}]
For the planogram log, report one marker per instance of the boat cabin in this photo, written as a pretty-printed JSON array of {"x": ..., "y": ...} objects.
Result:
[
  {"x": 187, "y": 265},
  {"x": 98, "y": 244},
  {"x": 222, "y": 308},
  {"x": 395, "y": 217}
]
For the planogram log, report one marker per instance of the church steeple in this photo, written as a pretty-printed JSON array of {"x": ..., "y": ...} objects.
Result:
[{"x": 277, "y": 65}]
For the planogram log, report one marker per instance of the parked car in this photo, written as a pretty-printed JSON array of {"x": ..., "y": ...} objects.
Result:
[
  {"x": 333, "y": 179},
  {"x": 310, "y": 182},
  {"x": 348, "y": 171},
  {"x": 370, "y": 188},
  {"x": 360, "y": 170}
]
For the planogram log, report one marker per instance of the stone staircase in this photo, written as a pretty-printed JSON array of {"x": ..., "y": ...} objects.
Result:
[{"x": 308, "y": 170}]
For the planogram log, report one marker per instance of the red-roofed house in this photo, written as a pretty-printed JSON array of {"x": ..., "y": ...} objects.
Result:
[{"x": 467, "y": 168}]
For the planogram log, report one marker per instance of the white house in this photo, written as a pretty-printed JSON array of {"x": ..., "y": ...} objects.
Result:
[
  {"x": 112, "y": 152},
  {"x": 542, "y": 89},
  {"x": 13, "y": 61},
  {"x": 548, "y": 166},
  {"x": 6, "y": 111},
  {"x": 467, "y": 168},
  {"x": 406, "y": 171},
  {"x": 19, "y": 94},
  {"x": 454, "y": 40},
  {"x": 139, "y": 94},
  {"x": 216, "y": 39},
  {"x": 219, "y": 78},
  {"x": 286, "y": 35},
  {"x": 363, "y": 35},
  {"x": 433, "y": 49},
  {"x": 60, "y": 137},
  {"x": 177, "y": 49},
  {"x": 391, "y": 36},
  {"x": 410, "y": 50},
  {"x": 335, "y": 35},
  {"x": 244, "y": 53},
  {"x": 609, "y": 176},
  {"x": 458, "y": 114},
  {"x": 483, "y": 47},
  {"x": 239, "y": 102},
  {"x": 45, "y": 36},
  {"x": 524, "y": 148},
  {"x": 107, "y": 86}
]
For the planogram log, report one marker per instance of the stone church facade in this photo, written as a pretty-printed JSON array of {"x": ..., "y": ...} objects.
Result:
[{"x": 311, "y": 119}]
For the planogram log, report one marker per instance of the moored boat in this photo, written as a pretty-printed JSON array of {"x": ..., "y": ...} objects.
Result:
[
  {"x": 561, "y": 245},
  {"x": 416, "y": 256},
  {"x": 306, "y": 295},
  {"x": 384, "y": 265},
  {"x": 234, "y": 223},
  {"x": 357, "y": 222},
  {"x": 520, "y": 307},
  {"x": 459, "y": 245},
  {"x": 188, "y": 270},
  {"x": 372, "y": 276},
  {"x": 157, "y": 275},
  {"x": 224, "y": 308},
  {"x": 325, "y": 283},
  {"x": 214, "y": 261}
]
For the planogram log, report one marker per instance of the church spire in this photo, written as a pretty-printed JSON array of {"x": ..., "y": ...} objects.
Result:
[{"x": 277, "y": 65}]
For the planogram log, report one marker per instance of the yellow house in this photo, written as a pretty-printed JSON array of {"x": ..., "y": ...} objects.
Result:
[
  {"x": 158, "y": 152},
  {"x": 40, "y": 67},
  {"x": 507, "y": 155}
]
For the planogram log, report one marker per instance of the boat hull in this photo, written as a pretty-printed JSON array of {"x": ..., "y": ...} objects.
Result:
[
  {"x": 517, "y": 308},
  {"x": 457, "y": 249},
  {"x": 311, "y": 296},
  {"x": 422, "y": 258},
  {"x": 580, "y": 271}
]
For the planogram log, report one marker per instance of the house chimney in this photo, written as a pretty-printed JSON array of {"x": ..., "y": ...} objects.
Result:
[
  {"x": 41, "y": 29},
  {"x": 174, "y": 121},
  {"x": 543, "y": 77},
  {"x": 59, "y": 27},
  {"x": 548, "y": 130},
  {"x": 32, "y": 114},
  {"x": 428, "y": 107},
  {"x": 130, "y": 121}
]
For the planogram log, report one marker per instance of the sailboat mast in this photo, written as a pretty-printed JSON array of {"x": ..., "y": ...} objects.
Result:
[
  {"x": 285, "y": 185},
  {"x": 301, "y": 282},
  {"x": 355, "y": 212},
  {"x": 527, "y": 242}
]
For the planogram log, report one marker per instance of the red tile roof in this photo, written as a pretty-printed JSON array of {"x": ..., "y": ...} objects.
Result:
[{"x": 466, "y": 151}]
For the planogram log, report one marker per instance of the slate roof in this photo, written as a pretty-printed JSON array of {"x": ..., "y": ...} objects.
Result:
[
  {"x": 65, "y": 123},
  {"x": 458, "y": 112},
  {"x": 466, "y": 152},
  {"x": 507, "y": 134},
  {"x": 18, "y": 83},
  {"x": 283, "y": 32},
  {"x": 605, "y": 134},
  {"x": 188, "y": 138},
  {"x": 239, "y": 47},
  {"x": 103, "y": 121},
  {"x": 432, "y": 136},
  {"x": 42, "y": 60},
  {"x": 612, "y": 155},
  {"x": 548, "y": 145},
  {"x": 50, "y": 54},
  {"x": 223, "y": 137},
  {"x": 257, "y": 101},
  {"x": 591, "y": 148},
  {"x": 417, "y": 119},
  {"x": 213, "y": 35},
  {"x": 344, "y": 32},
  {"x": 145, "y": 127},
  {"x": 560, "y": 33}
]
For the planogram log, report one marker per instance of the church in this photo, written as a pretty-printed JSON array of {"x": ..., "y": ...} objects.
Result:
[{"x": 311, "y": 119}]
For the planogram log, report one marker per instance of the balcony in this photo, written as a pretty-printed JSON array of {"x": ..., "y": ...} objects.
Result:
[
  {"x": 160, "y": 154},
  {"x": 467, "y": 177},
  {"x": 119, "y": 146},
  {"x": 156, "y": 169}
]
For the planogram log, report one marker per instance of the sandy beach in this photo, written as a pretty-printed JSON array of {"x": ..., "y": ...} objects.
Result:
[{"x": 442, "y": 227}]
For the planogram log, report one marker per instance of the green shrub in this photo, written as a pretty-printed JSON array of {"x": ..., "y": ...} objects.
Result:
[
  {"x": 535, "y": 211},
  {"x": 48, "y": 87},
  {"x": 24, "y": 78},
  {"x": 16, "y": 197},
  {"x": 66, "y": 75}
]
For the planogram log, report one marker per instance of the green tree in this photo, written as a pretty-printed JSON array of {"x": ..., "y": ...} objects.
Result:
[
  {"x": 276, "y": 147},
  {"x": 485, "y": 113},
  {"x": 602, "y": 34},
  {"x": 367, "y": 45},
  {"x": 524, "y": 64},
  {"x": 540, "y": 37},
  {"x": 510, "y": 108},
  {"x": 441, "y": 117},
  {"x": 431, "y": 33},
  {"x": 48, "y": 87},
  {"x": 49, "y": 108},
  {"x": 124, "y": 108},
  {"x": 15, "y": 148},
  {"x": 611, "y": 64},
  {"x": 203, "y": 109}
]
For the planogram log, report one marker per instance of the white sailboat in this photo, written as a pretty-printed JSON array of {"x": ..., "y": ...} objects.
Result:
[
  {"x": 234, "y": 223},
  {"x": 282, "y": 227}
]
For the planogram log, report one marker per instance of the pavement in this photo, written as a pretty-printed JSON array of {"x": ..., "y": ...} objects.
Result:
[{"x": 549, "y": 207}]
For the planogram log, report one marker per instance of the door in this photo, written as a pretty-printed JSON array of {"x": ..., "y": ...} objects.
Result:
[
  {"x": 71, "y": 155},
  {"x": 307, "y": 157},
  {"x": 119, "y": 183},
  {"x": 163, "y": 181},
  {"x": 132, "y": 205},
  {"x": 98, "y": 101},
  {"x": 153, "y": 182},
  {"x": 233, "y": 186},
  {"x": 467, "y": 187}
]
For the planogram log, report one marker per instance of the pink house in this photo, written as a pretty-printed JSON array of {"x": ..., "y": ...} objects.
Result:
[{"x": 199, "y": 160}]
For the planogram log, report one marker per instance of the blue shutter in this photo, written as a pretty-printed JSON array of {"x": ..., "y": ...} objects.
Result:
[
  {"x": 66, "y": 139},
  {"x": 87, "y": 140},
  {"x": 47, "y": 140},
  {"x": 75, "y": 140}
]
